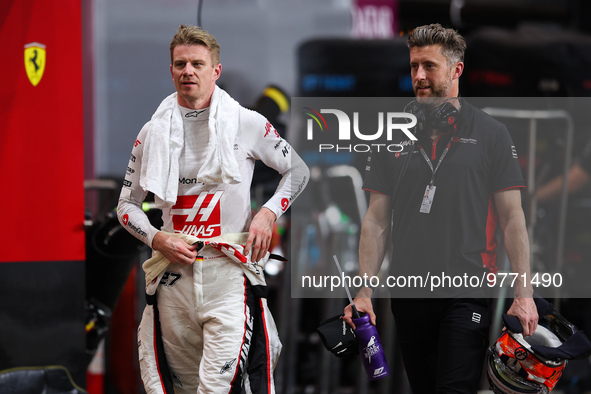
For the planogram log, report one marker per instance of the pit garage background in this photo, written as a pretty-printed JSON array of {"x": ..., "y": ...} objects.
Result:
[{"x": 79, "y": 79}]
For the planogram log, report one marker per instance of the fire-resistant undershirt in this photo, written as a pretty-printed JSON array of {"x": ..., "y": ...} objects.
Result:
[{"x": 457, "y": 235}]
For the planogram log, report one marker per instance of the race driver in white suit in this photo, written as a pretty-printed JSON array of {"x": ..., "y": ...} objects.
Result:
[{"x": 206, "y": 328}]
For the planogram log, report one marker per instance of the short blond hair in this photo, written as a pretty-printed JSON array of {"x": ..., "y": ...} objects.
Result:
[{"x": 193, "y": 35}]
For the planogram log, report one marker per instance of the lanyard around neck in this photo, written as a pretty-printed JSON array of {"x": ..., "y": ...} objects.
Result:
[{"x": 434, "y": 170}]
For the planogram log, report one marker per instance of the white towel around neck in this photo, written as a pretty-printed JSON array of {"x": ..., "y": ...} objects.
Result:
[{"x": 165, "y": 138}]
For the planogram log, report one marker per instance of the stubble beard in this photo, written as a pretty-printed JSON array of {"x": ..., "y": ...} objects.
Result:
[{"x": 439, "y": 93}]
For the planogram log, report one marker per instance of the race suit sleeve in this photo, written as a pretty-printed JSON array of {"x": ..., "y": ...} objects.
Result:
[
  {"x": 265, "y": 144},
  {"x": 129, "y": 211}
]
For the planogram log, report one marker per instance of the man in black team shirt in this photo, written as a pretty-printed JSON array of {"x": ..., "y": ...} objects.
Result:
[{"x": 462, "y": 179}]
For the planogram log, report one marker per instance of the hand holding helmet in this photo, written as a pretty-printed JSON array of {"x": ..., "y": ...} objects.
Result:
[{"x": 534, "y": 364}]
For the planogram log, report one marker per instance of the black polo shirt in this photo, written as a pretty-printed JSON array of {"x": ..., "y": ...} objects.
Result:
[{"x": 457, "y": 236}]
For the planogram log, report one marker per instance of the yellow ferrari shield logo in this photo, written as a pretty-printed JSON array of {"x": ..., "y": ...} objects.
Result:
[{"x": 35, "y": 61}]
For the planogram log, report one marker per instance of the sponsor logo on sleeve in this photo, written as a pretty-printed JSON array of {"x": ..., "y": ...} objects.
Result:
[
  {"x": 269, "y": 128},
  {"x": 514, "y": 151},
  {"x": 132, "y": 226},
  {"x": 284, "y": 204},
  {"x": 285, "y": 150},
  {"x": 300, "y": 188},
  {"x": 137, "y": 142}
]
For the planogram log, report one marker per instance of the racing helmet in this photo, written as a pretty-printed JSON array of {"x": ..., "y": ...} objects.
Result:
[{"x": 534, "y": 364}]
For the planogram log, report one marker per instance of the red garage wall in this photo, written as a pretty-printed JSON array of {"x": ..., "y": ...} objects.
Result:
[
  {"x": 41, "y": 143},
  {"x": 42, "y": 192}
]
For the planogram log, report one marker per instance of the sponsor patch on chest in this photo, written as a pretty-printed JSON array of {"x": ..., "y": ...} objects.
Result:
[{"x": 199, "y": 215}]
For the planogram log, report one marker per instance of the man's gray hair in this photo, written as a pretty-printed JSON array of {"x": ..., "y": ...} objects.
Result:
[{"x": 452, "y": 43}]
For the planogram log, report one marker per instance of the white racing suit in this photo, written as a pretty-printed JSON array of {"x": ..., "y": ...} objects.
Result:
[
  {"x": 215, "y": 329},
  {"x": 229, "y": 343}
]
